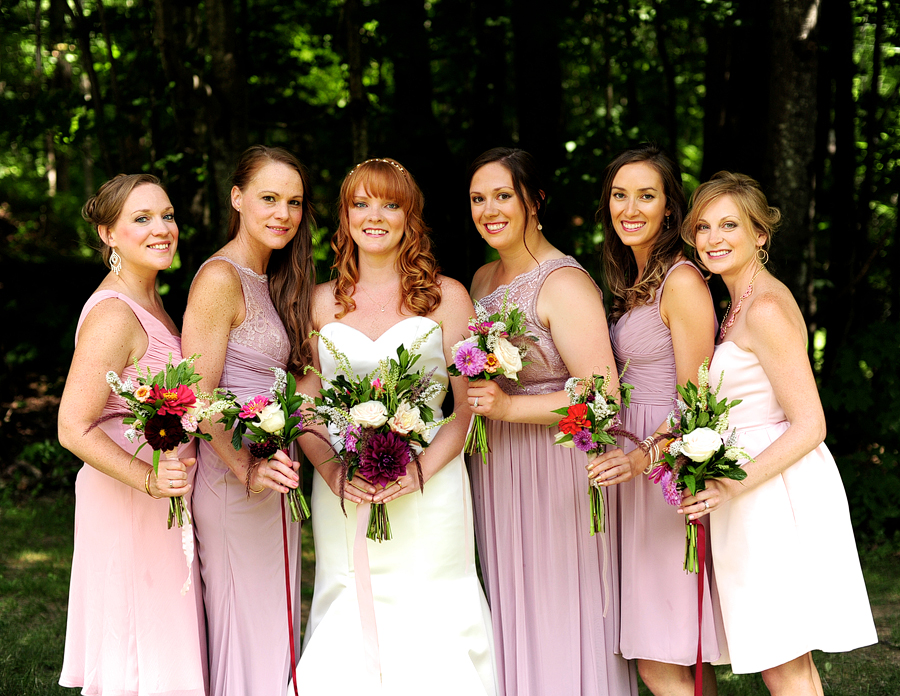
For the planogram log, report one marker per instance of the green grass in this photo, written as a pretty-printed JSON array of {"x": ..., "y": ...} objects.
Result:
[{"x": 35, "y": 561}]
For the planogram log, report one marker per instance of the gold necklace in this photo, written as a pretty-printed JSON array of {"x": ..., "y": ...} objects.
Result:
[
  {"x": 728, "y": 324},
  {"x": 383, "y": 306}
]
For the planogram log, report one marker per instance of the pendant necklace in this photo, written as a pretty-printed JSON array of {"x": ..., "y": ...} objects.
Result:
[
  {"x": 728, "y": 324},
  {"x": 383, "y": 306}
]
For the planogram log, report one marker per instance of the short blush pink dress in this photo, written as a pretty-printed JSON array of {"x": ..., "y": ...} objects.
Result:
[
  {"x": 239, "y": 538},
  {"x": 543, "y": 572},
  {"x": 129, "y": 630},
  {"x": 659, "y": 600}
]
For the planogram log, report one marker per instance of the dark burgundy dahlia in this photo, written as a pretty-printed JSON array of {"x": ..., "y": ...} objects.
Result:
[
  {"x": 384, "y": 459},
  {"x": 164, "y": 432},
  {"x": 263, "y": 450}
]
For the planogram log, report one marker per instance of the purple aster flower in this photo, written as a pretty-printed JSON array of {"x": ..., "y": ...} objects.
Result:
[
  {"x": 470, "y": 360},
  {"x": 583, "y": 440},
  {"x": 385, "y": 458}
]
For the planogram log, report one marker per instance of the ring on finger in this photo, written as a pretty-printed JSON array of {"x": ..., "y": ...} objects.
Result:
[
  {"x": 171, "y": 484},
  {"x": 706, "y": 503},
  {"x": 475, "y": 405}
]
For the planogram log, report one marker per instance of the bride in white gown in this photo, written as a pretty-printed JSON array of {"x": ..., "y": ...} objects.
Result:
[{"x": 406, "y": 616}]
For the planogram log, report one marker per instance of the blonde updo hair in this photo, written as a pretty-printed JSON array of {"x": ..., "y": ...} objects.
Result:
[
  {"x": 747, "y": 196},
  {"x": 105, "y": 207}
]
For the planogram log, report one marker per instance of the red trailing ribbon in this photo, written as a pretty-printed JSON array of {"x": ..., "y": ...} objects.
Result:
[
  {"x": 701, "y": 573},
  {"x": 287, "y": 594}
]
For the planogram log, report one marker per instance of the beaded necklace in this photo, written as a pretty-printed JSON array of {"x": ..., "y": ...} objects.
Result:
[{"x": 728, "y": 324}]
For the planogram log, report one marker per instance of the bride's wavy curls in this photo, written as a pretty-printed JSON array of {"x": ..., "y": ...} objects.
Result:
[{"x": 420, "y": 291}]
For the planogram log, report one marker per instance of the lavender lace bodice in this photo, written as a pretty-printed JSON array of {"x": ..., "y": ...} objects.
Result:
[
  {"x": 261, "y": 329},
  {"x": 547, "y": 372}
]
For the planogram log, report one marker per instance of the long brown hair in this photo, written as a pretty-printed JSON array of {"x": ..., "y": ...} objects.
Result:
[
  {"x": 291, "y": 271},
  {"x": 619, "y": 264},
  {"x": 420, "y": 292},
  {"x": 105, "y": 206}
]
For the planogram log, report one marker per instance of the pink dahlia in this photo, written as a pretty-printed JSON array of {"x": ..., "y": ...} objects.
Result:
[{"x": 470, "y": 360}]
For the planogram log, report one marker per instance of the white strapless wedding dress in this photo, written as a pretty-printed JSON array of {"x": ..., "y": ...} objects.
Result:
[{"x": 432, "y": 621}]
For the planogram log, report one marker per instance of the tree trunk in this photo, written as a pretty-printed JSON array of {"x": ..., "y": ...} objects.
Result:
[{"x": 358, "y": 105}]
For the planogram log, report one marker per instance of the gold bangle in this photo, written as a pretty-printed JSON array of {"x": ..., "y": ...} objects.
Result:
[
  {"x": 147, "y": 484},
  {"x": 253, "y": 490}
]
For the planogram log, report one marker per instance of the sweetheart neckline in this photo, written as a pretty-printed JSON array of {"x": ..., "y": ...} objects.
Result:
[{"x": 383, "y": 334}]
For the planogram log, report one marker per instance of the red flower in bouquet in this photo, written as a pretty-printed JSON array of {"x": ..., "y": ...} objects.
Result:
[
  {"x": 575, "y": 420},
  {"x": 384, "y": 459},
  {"x": 175, "y": 400},
  {"x": 164, "y": 431}
]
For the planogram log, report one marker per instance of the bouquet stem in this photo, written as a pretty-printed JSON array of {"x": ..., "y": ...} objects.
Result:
[
  {"x": 476, "y": 439},
  {"x": 379, "y": 525},
  {"x": 177, "y": 512},
  {"x": 298, "y": 505},
  {"x": 596, "y": 496},
  {"x": 691, "y": 564}
]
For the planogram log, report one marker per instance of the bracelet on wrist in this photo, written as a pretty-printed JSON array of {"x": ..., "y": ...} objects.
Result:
[{"x": 147, "y": 484}]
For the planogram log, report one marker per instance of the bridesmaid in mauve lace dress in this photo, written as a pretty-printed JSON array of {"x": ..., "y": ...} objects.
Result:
[
  {"x": 663, "y": 322},
  {"x": 241, "y": 334},
  {"x": 129, "y": 630},
  {"x": 553, "y": 604}
]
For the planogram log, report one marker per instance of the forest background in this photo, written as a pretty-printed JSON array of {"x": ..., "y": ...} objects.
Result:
[{"x": 800, "y": 94}]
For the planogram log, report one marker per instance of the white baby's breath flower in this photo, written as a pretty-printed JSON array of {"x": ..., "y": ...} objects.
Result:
[
  {"x": 131, "y": 434},
  {"x": 675, "y": 448},
  {"x": 280, "y": 382},
  {"x": 481, "y": 313},
  {"x": 112, "y": 379},
  {"x": 571, "y": 387},
  {"x": 736, "y": 454},
  {"x": 602, "y": 409}
]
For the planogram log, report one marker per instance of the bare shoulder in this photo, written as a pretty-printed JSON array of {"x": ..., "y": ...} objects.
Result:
[
  {"x": 481, "y": 277},
  {"x": 452, "y": 290},
  {"x": 111, "y": 315},
  {"x": 566, "y": 282},
  {"x": 324, "y": 306},
  {"x": 685, "y": 279},
  {"x": 217, "y": 276},
  {"x": 774, "y": 314}
]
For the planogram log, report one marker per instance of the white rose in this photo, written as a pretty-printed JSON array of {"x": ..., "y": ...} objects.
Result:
[
  {"x": 508, "y": 357},
  {"x": 560, "y": 436},
  {"x": 405, "y": 419},
  {"x": 271, "y": 418},
  {"x": 701, "y": 444},
  {"x": 369, "y": 414}
]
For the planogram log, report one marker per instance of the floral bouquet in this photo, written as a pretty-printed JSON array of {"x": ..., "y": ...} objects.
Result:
[
  {"x": 271, "y": 422},
  {"x": 487, "y": 353},
  {"x": 165, "y": 410},
  {"x": 702, "y": 453},
  {"x": 591, "y": 422},
  {"x": 382, "y": 420}
]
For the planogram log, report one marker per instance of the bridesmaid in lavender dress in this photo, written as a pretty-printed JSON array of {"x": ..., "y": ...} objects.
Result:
[
  {"x": 664, "y": 323},
  {"x": 553, "y": 606},
  {"x": 241, "y": 333},
  {"x": 130, "y": 630}
]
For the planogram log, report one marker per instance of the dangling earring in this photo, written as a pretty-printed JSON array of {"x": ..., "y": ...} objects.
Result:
[
  {"x": 668, "y": 222},
  {"x": 540, "y": 227},
  {"x": 762, "y": 256},
  {"x": 115, "y": 262}
]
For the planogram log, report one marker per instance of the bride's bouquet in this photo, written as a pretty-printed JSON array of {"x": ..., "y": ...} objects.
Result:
[
  {"x": 703, "y": 452},
  {"x": 591, "y": 422},
  {"x": 487, "y": 353},
  {"x": 271, "y": 422},
  {"x": 381, "y": 419}
]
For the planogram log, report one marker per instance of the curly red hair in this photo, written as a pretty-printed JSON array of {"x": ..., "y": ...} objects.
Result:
[{"x": 418, "y": 268}]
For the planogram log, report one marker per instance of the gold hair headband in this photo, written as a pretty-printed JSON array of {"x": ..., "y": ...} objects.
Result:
[{"x": 379, "y": 159}]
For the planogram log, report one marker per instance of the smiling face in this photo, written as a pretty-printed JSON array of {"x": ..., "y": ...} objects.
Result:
[
  {"x": 377, "y": 223},
  {"x": 145, "y": 234},
  {"x": 726, "y": 241},
  {"x": 637, "y": 205},
  {"x": 270, "y": 205},
  {"x": 497, "y": 211}
]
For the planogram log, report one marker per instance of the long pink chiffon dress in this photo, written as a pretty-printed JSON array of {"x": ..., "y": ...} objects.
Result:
[
  {"x": 239, "y": 538},
  {"x": 786, "y": 561},
  {"x": 130, "y": 631},
  {"x": 659, "y": 600},
  {"x": 548, "y": 581}
]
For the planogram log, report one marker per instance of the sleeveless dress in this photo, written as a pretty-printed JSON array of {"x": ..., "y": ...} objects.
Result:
[
  {"x": 129, "y": 630},
  {"x": 786, "y": 561},
  {"x": 659, "y": 600},
  {"x": 239, "y": 538},
  {"x": 432, "y": 621},
  {"x": 544, "y": 573}
]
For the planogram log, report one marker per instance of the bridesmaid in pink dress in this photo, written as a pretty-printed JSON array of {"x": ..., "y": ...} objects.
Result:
[
  {"x": 129, "y": 628},
  {"x": 553, "y": 605},
  {"x": 664, "y": 323},
  {"x": 248, "y": 312},
  {"x": 785, "y": 553}
]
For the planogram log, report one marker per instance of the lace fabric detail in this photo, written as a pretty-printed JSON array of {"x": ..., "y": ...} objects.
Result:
[
  {"x": 547, "y": 372},
  {"x": 261, "y": 329}
]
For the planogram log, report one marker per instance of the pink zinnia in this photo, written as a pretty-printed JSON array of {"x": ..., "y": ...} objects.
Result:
[
  {"x": 174, "y": 400},
  {"x": 470, "y": 360},
  {"x": 253, "y": 407}
]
